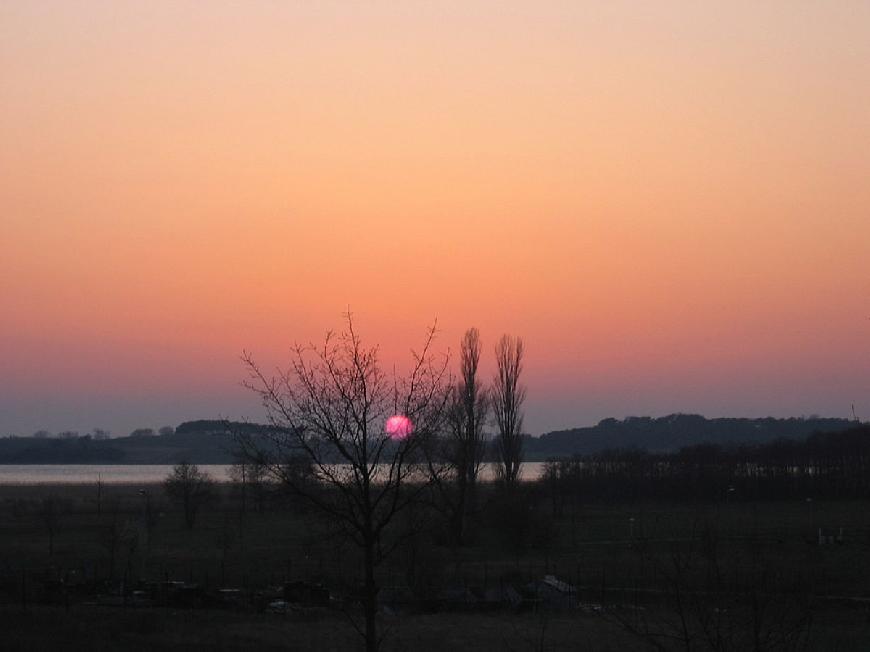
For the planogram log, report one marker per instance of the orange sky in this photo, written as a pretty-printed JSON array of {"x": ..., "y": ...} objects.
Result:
[{"x": 670, "y": 202}]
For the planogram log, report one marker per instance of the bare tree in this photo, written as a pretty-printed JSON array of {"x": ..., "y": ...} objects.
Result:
[
  {"x": 166, "y": 431},
  {"x": 251, "y": 480},
  {"x": 359, "y": 432},
  {"x": 99, "y": 434},
  {"x": 507, "y": 401},
  {"x": 465, "y": 445},
  {"x": 190, "y": 487}
]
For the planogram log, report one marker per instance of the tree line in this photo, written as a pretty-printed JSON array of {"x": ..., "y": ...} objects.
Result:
[
  {"x": 825, "y": 465},
  {"x": 100, "y": 434}
]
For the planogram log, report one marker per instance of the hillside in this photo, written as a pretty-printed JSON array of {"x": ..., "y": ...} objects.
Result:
[
  {"x": 672, "y": 432},
  {"x": 207, "y": 442},
  {"x": 201, "y": 442}
]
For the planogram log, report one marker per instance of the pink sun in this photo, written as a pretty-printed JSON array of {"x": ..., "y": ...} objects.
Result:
[{"x": 399, "y": 426}]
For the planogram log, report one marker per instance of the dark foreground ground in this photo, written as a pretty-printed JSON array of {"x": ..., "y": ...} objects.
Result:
[
  {"x": 149, "y": 629},
  {"x": 89, "y": 570},
  {"x": 82, "y": 628}
]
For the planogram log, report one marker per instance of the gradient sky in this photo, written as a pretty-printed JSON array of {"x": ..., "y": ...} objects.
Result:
[{"x": 669, "y": 201}]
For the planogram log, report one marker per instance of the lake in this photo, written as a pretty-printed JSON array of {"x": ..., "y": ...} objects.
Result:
[{"x": 150, "y": 473}]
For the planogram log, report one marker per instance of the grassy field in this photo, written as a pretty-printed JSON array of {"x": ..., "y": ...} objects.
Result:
[
  {"x": 148, "y": 629},
  {"x": 614, "y": 553}
]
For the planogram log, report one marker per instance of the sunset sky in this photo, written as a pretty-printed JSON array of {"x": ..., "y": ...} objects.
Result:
[{"x": 669, "y": 201}]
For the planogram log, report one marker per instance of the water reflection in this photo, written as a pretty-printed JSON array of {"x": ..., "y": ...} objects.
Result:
[{"x": 150, "y": 473}]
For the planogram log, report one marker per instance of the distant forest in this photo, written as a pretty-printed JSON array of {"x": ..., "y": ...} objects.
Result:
[
  {"x": 827, "y": 465},
  {"x": 209, "y": 442}
]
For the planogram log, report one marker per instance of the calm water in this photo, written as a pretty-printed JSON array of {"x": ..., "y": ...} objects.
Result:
[{"x": 147, "y": 473}]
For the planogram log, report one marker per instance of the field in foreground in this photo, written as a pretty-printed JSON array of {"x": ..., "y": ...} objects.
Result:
[
  {"x": 79, "y": 628},
  {"x": 148, "y": 629},
  {"x": 615, "y": 556}
]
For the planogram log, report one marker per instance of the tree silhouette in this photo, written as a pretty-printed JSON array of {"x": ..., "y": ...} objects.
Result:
[
  {"x": 465, "y": 445},
  {"x": 329, "y": 445},
  {"x": 190, "y": 487},
  {"x": 507, "y": 401}
]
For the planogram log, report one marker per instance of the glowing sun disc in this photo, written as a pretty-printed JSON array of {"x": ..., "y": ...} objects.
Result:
[{"x": 399, "y": 426}]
